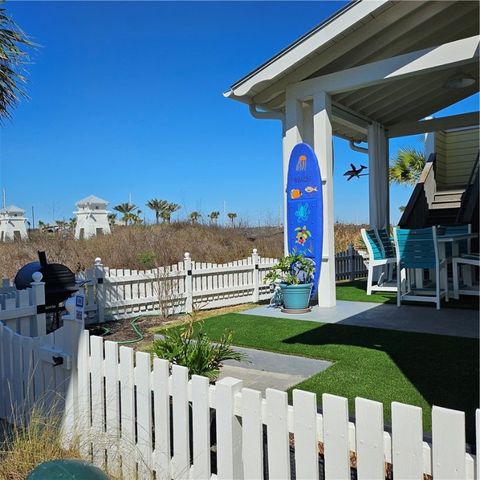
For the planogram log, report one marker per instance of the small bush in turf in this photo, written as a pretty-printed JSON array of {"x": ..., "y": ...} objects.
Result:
[{"x": 192, "y": 348}]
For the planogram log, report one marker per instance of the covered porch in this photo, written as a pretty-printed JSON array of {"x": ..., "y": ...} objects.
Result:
[{"x": 373, "y": 71}]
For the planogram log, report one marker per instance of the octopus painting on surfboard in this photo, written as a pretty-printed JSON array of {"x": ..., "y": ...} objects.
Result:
[{"x": 305, "y": 207}]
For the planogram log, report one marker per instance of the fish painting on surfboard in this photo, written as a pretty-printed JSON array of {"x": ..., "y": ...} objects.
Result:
[{"x": 305, "y": 207}]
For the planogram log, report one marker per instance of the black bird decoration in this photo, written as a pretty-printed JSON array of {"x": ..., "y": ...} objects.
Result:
[{"x": 355, "y": 172}]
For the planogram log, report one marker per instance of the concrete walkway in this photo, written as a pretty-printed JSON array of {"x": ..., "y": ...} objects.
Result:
[
  {"x": 263, "y": 369},
  {"x": 408, "y": 318},
  {"x": 272, "y": 370}
]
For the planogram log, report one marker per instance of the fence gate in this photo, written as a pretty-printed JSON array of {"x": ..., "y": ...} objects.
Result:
[{"x": 38, "y": 370}]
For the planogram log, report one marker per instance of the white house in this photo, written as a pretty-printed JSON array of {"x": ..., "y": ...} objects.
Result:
[
  {"x": 12, "y": 224},
  {"x": 92, "y": 217},
  {"x": 372, "y": 71}
]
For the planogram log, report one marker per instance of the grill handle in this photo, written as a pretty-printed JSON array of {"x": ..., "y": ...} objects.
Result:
[{"x": 42, "y": 257}]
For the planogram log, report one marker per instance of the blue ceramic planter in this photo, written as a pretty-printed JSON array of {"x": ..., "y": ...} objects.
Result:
[{"x": 296, "y": 297}]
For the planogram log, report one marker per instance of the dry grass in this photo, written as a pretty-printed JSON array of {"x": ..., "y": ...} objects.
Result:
[
  {"x": 143, "y": 247},
  {"x": 346, "y": 234},
  {"x": 24, "y": 448}
]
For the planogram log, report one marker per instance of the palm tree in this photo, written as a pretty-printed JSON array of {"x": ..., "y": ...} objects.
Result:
[
  {"x": 137, "y": 219},
  {"x": 112, "y": 218},
  {"x": 406, "y": 167},
  {"x": 194, "y": 216},
  {"x": 171, "y": 208},
  {"x": 158, "y": 206},
  {"x": 42, "y": 225},
  {"x": 232, "y": 216},
  {"x": 72, "y": 223},
  {"x": 213, "y": 216},
  {"x": 126, "y": 209},
  {"x": 61, "y": 224},
  {"x": 165, "y": 216},
  {"x": 13, "y": 58}
]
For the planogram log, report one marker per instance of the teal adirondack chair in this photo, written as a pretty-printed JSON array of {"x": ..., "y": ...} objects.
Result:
[
  {"x": 464, "y": 245},
  {"x": 418, "y": 249},
  {"x": 381, "y": 254}
]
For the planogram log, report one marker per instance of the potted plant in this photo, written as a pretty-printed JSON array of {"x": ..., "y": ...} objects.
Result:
[{"x": 294, "y": 273}]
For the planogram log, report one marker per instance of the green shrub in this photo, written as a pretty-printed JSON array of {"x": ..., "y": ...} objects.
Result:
[
  {"x": 193, "y": 349},
  {"x": 147, "y": 259}
]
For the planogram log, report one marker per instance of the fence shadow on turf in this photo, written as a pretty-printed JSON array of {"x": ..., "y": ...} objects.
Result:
[{"x": 444, "y": 369}]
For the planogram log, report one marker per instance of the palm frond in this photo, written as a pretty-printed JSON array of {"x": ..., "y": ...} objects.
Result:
[
  {"x": 13, "y": 58},
  {"x": 406, "y": 167}
]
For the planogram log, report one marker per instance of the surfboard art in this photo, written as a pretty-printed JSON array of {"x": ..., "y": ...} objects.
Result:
[{"x": 305, "y": 207}]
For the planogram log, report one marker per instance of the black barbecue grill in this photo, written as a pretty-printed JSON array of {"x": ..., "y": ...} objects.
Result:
[{"x": 59, "y": 282}]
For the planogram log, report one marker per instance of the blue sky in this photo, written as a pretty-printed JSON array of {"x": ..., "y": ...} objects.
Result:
[{"x": 126, "y": 98}]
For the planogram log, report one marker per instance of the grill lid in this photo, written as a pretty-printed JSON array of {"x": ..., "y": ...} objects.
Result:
[{"x": 59, "y": 279}]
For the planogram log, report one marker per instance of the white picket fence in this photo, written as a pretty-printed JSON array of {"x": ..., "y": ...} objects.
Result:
[
  {"x": 189, "y": 285},
  {"x": 184, "y": 287},
  {"x": 137, "y": 419},
  {"x": 35, "y": 368},
  {"x": 24, "y": 310}
]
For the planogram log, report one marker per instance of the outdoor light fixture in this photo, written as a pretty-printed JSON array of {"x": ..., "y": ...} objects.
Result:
[{"x": 460, "y": 81}]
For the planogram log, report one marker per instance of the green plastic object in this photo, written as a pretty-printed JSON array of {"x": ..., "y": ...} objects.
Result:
[{"x": 67, "y": 470}]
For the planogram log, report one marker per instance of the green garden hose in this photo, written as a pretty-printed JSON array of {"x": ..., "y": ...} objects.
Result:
[
  {"x": 94, "y": 330},
  {"x": 106, "y": 330},
  {"x": 136, "y": 330},
  {"x": 140, "y": 337}
]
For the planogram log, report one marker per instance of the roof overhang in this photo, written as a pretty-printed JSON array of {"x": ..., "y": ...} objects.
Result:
[{"x": 382, "y": 61}]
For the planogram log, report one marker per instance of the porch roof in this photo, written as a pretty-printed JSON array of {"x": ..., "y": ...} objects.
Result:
[{"x": 367, "y": 32}]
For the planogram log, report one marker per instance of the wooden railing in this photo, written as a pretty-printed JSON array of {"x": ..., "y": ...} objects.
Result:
[
  {"x": 422, "y": 197},
  {"x": 470, "y": 196}
]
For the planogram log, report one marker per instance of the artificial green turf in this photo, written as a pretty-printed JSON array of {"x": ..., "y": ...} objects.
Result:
[
  {"x": 356, "y": 291},
  {"x": 383, "y": 365}
]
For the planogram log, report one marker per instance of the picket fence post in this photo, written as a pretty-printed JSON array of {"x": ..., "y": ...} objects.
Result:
[
  {"x": 38, "y": 293},
  {"x": 99, "y": 271},
  {"x": 187, "y": 266},
  {"x": 351, "y": 256},
  {"x": 73, "y": 324},
  {"x": 256, "y": 279},
  {"x": 229, "y": 430}
]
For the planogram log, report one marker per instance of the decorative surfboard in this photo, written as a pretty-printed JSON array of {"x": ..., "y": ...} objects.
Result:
[{"x": 305, "y": 207}]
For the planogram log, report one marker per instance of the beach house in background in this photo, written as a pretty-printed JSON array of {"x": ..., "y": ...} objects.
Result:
[
  {"x": 373, "y": 71},
  {"x": 92, "y": 217},
  {"x": 13, "y": 224}
]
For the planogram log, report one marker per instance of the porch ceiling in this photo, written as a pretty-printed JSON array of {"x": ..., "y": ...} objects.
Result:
[
  {"x": 391, "y": 29},
  {"x": 411, "y": 98}
]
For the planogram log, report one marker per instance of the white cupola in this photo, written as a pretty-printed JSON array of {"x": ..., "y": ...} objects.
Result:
[
  {"x": 92, "y": 217},
  {"x": 12, "y": 224}
]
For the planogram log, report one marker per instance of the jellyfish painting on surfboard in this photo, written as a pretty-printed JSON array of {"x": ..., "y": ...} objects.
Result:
[{"x": 305, "y": 207}]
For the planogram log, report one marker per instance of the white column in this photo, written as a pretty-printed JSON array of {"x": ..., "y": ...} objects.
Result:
[
  {"x": 429, "y": 144},
  {"x": 379, "y": 207},
  {"x": 322, "y": 139},
  {"x": 292, "y": 135}
]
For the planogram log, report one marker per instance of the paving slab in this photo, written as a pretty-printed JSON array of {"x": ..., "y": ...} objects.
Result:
[
  {"x": 272, "y": 370},
  {"x": 279, "y": 362},
  {"x": 260, "y": 379},
  {"x": 408, "y": 318}
]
